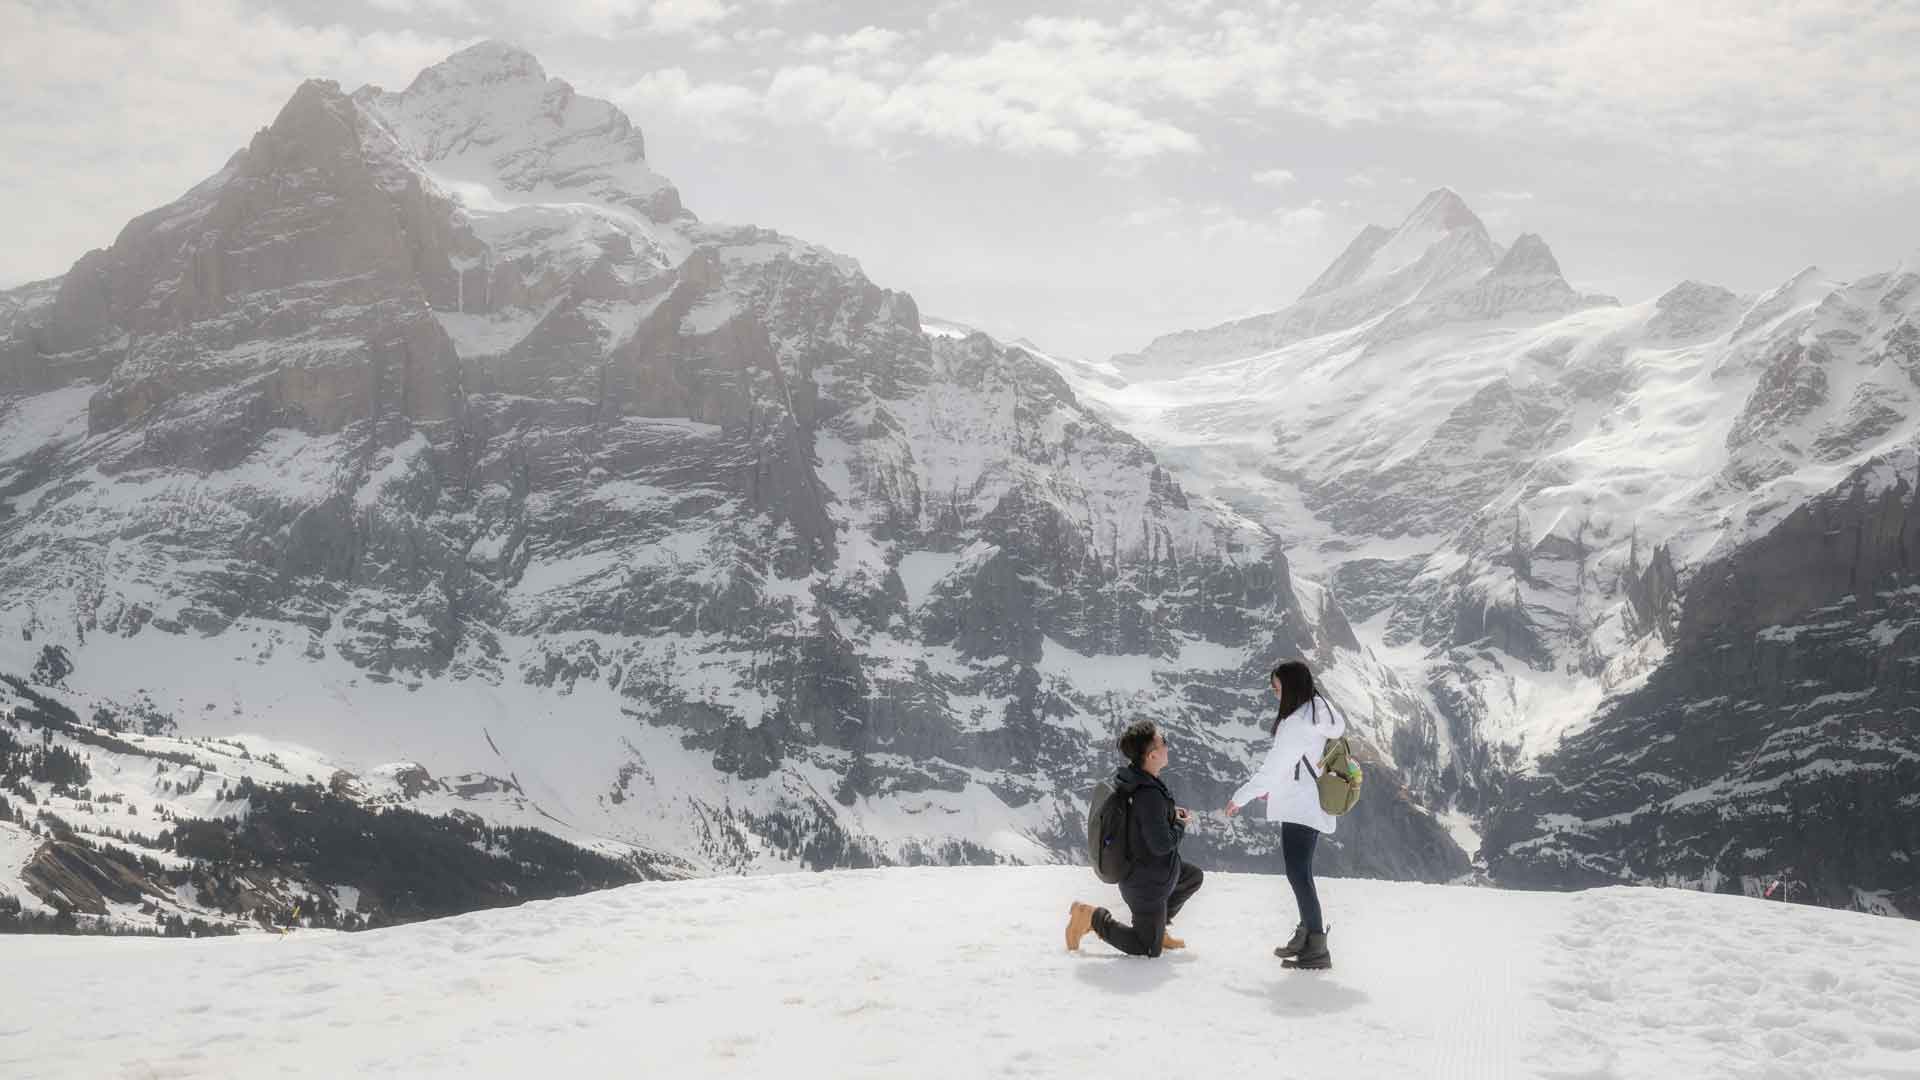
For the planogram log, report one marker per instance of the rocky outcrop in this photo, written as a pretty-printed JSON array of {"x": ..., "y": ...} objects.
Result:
[
  {"x": 1692, "y": 311},
  {"x": 278, "y": 293},
  {"x": 69, "y": 876},
  {"x": 1779, "y": 735}
]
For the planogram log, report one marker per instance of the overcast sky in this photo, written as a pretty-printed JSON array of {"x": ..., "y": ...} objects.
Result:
[{"x": 1091, "y": 177}]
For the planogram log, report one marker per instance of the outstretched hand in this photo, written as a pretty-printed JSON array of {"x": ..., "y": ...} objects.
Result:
[{"x": 1232, "y": 808}]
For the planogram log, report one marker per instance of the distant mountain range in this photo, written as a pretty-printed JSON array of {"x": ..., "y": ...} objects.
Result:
[
  {"x": 1647, "y": 562},
  {"x": 434, "y": 444}
]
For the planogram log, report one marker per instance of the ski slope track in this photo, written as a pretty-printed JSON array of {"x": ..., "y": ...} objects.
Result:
[{"x": 961, "y": 972}]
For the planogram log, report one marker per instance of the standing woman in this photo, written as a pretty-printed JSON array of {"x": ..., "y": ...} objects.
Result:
[{"x": 1287, "y": 780}]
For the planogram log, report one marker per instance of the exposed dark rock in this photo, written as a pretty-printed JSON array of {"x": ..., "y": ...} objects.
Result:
[
  {"x": 1778, "y": 736},
  {"x": 69, "y": 876}
]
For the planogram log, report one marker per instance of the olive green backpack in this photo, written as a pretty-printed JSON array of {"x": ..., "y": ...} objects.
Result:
[{"x": 1339, "y": 779}]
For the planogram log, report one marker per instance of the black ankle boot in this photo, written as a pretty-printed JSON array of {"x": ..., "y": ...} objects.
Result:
[
  {"x": 1314, "y": 957},
  {"x": 1294, "y": 944}
]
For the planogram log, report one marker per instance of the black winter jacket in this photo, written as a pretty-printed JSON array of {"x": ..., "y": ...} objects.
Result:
[{"x": 1153, "y": 834}]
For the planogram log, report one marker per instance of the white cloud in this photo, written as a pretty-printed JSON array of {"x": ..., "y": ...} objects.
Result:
[
  {"x": 945, "y": 12},
  {"x": 1175, "y": 217},
  {"x": 1141, "y": 217},
  {"x": 1511, "y": 196},
  {"x": 682, "y": 16},
  {"x": 719, "y": 111},
  {"x": 1274, "y": 178},
  {"x": 866, "y": 41},
  {"x": 1024, "y": 95},
  {"x": 873, "y": 40},
  {"x": 1724, "y": 84},
  {"x": 848, "y": 106},
  {"x": 1309, "y": 218},
  {"x": 597, "y": 17},
  {"x": 458, "y": 9},
  {"x": 952, "y": 104},
  {"x": 1719, "y": 86}
]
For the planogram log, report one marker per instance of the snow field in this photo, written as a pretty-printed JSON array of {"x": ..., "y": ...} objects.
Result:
[{"x": 962, "y": 972}]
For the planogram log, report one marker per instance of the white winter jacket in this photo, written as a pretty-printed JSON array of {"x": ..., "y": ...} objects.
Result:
[{"x": 1287, "y": 777}]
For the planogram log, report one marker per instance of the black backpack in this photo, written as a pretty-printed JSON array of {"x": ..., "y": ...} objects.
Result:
[{"x": 1108, "y": 845}]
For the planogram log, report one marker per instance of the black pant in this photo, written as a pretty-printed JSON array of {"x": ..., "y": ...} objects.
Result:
[
  {"x": 1296, "y": 847},
  {"x": 1151, "y": 914}
]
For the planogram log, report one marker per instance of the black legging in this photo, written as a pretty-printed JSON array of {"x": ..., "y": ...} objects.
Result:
[{"x": 1296, "y": 847}]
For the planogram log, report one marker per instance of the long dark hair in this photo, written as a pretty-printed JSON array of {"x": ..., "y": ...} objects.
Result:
[{"x": 1296, "y": 689}]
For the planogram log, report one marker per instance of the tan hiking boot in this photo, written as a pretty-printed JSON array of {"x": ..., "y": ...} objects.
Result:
[
  {"x": 1168, "y": 941},
  {"x": 1079, "y": 924}
]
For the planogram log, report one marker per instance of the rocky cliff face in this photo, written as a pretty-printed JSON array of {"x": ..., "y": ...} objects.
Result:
[
  {"x": 1777, "y": 738},
  {"x": 434, "y": 426}
]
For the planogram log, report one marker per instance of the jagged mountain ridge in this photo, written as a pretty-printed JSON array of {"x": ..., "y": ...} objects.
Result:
[
  {"x": 434, "y": 426},
  {"x": 1527, "y": 500},
  {"x": 1439, "y": 263}
]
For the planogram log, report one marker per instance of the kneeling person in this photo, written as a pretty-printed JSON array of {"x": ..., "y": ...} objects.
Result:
[{"x": 1158, "y": 882}]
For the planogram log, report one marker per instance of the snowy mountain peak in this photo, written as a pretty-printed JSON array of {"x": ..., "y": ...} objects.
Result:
[
  {"x": 1803, "y": 288},
  {"x": 1691, "y": 293},
  {"x": 1440, "y": 243},
  {"x": 1443, "y": 210},
  {"x": 1528, "y": 257},
  {"x": 489, "y": 62},
  {"x": 494, "y": 132},
  {"x": 1437, "y": 267},
  {"x": 1692, "y": 309},
  {"x": 316, "y": 101},
  {"x": 1441, "y": 230}
]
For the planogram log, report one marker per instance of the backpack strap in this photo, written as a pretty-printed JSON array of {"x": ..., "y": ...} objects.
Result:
[{"x": 1334, "y": 745}]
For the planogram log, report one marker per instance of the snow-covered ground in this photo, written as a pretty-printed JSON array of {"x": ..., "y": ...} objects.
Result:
[{"x": 961, "y": 972}]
